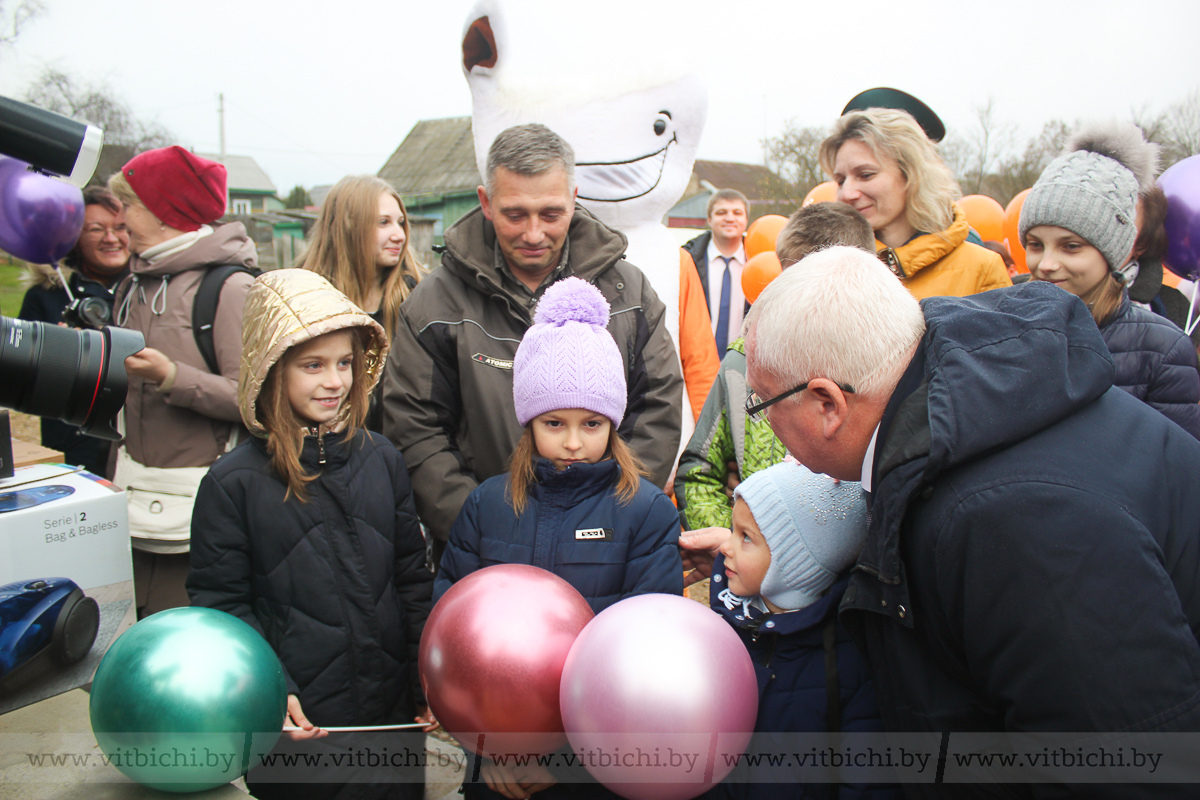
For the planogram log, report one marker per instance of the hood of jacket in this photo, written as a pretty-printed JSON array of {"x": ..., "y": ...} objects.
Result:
[
  {"x": 227, "y": 244},
  {"x": 471, "y": 243},
  {"x": 44, "y": 276},
  {"x": 286, "y": 307},
  {"x": 784, "y": 623},
  {"x": 991, "y": 370},
  {"x": 928, "y": 248}
]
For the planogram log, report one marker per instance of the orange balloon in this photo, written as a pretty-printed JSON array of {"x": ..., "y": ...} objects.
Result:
[
  {"x": 1170, "y": 279},
  {"x": 1012, "y": 238},
  {"x": 985, "y": 215},
  {"x": 760, "y": 270},
  {"x": 762, "y": 233},
  {"x": 821, "y": 193}
]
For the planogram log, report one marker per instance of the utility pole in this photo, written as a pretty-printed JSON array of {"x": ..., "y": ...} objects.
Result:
[{"x": 221, "y": 117}]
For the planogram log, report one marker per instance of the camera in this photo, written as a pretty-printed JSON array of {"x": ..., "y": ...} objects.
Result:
[
  {"x": 77, "y": 376},
  {"x": 88, "y": 312}
]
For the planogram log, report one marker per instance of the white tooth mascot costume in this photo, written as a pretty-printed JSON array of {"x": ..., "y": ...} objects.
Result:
[{"x": 618, "y": 93}]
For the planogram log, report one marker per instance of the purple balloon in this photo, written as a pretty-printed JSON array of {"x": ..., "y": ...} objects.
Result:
[
  {"x": 40, "y": 217},
  {"x": 1181, "y": 185},
  {"x": 656, "y": 692}
]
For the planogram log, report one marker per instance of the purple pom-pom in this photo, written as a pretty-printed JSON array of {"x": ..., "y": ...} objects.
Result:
[{"x": 572, "y": 300}]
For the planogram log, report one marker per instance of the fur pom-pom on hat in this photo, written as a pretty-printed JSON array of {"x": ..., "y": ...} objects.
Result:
[
  {"x": 567, "y": 358},
  {"x": 1123, "y": 143},
  {"x": 1092, "y": 189}
]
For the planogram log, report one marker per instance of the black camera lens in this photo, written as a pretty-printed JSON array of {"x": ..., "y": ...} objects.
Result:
[{"x": 77, "y": 376}]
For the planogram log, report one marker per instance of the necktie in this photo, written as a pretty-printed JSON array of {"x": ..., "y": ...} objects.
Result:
[{"x": 722, "y": 332}]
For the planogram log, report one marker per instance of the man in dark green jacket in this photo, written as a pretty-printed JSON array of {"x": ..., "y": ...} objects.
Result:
[{"x": 448, "y": 402}]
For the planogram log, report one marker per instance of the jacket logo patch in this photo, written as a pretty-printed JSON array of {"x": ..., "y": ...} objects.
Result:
[
  {"x": 594, "y": 534},
  {"x": 498, "y": 363}
]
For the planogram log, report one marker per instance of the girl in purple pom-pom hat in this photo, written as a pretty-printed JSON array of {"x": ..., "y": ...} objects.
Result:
[{"x": 574, "y": 501}]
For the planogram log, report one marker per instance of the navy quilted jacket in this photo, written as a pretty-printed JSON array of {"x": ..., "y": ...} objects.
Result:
[
  {"x": 1034, "y": 542},
  {"x": 337, "y": 585},
  {"x": 639, "y": 553},
  {"x": 1155, "y": 362},
  {"x": 789, "y": 657}
]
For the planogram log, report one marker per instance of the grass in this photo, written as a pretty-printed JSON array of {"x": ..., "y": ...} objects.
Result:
[{"x": 11, "y": 289}]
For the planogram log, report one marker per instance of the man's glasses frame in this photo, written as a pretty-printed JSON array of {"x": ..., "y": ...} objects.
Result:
[{"x": 756, "y": 407}]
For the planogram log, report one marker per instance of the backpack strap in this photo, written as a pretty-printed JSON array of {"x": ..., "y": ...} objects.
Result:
[{"x": 204, "y": 309}]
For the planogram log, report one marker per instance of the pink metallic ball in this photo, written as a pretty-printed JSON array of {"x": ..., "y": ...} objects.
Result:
[
  {"x": 492, "y": 656},
  {"x": 656, "y": 692}
]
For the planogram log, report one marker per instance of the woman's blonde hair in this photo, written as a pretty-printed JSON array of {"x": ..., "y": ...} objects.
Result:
[
  {"x": 521, "y": 476},
  {"x": 119, "y": 186},
  {"x": 894, "y": 137},
  {"x": 286, "y": 429},
  {"x": 342, "y": 246}
]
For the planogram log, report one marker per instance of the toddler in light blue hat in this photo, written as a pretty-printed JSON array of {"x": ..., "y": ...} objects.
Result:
[
  {"x": 778, "y": 582},
  {"x": 794, "y": 534}
]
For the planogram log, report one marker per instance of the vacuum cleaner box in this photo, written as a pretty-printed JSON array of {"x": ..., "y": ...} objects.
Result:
[{"x": 66, "y": 579}]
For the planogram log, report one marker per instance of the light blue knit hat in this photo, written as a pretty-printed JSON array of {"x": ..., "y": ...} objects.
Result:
[{"x": 814, "y": 526}]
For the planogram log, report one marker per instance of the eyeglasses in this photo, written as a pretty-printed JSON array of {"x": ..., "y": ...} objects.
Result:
[
  {"x": 756, "y": 407},
  {"x": 104, "y": 230}
]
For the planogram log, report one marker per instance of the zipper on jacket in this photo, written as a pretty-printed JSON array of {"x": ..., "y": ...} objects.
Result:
[
  {"x": 879, "y": 576},
  {"x": 320, "y": 444},
  {"x": 771, "y": 652},
  {"x": 888, "y": 256}
]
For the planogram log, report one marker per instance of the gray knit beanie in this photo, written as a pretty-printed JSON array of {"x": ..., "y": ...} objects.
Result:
[
  {"x": 814, "y": 526},
  {"x": 1092, "y": 190}
]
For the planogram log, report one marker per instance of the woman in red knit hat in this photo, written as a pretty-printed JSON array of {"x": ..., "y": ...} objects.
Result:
[{"x": 179, "y": 415}]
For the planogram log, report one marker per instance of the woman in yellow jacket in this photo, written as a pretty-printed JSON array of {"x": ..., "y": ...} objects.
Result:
[{"x": 887, "y": 168}]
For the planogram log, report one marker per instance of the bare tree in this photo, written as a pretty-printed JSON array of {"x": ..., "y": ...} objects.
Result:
[
  {"x": 1176, "y": 129},
  {"x": 957, "y": 154},
  {"x": 125, "y": 135},
  {"x": 1018, "y": 172},
  {"x": 794, "y": 158},
  {"x": 14, "y": 18},
  {"x": 989, "y": 142}
]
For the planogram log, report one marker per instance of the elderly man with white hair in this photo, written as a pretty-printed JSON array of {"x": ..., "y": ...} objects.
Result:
[{"x": 1033, "y": 554}]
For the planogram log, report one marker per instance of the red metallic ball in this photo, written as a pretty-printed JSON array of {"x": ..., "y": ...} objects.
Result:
[{"x": 492, "y": 656}]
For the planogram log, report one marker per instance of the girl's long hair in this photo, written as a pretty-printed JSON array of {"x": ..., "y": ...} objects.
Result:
[
  {"x": 1104, "y": 300},
  {"x": 521, "y": 475},
  {"x": 286, "y": 429},
  {"x": 342, "y": 246}
]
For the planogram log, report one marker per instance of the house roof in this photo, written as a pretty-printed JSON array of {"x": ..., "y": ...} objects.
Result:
[
  {"x": 243, "y": 172},
  {"x": 749, "y": 179},
  {"x": 437, "y": 157}
]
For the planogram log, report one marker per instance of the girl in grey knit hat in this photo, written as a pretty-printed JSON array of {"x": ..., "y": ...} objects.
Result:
[{"x": 1078, "y": 226}]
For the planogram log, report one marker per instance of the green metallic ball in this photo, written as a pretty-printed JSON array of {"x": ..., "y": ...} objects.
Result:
[{"x": 188, "y": 699}]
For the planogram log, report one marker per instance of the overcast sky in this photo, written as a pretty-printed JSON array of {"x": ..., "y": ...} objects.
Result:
[{"x": 317, "y": 90}]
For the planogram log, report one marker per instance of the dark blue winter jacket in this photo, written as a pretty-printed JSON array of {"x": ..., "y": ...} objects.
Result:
[
  {"x": 636, "y": 552},
  {"x": 790, "y": 653},
  {"x": 1033, "y": 556},
  {"x": 1155, "y": 362},
  {"x": 337, "y": 585}
]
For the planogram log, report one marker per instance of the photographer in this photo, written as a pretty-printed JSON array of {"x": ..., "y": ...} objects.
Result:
[{"x": 93, "y": 267}]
